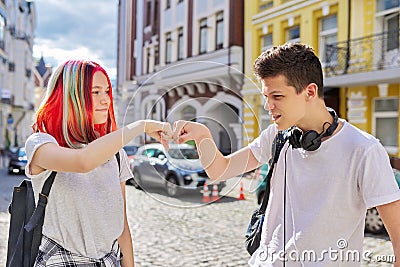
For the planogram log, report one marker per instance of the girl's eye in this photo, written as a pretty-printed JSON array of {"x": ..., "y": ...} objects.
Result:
[{"x": 95, "y": 92}]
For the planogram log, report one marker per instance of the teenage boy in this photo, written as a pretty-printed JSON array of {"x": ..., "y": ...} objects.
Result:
[{"x": 326, "y": 177}]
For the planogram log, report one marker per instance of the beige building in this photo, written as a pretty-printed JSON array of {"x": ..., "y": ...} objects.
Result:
[{"x": 17, "y": 25}]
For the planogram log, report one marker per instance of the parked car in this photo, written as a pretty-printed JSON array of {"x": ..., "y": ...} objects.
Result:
[
  {"x": 131, "y": 151},
  {"x": 373, "y": 222},
  {"x": 176, "y": 170},
  {"x": 17, "y": 161}
]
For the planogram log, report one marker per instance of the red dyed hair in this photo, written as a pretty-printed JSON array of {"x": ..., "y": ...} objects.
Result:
[{"x": 66, "y": 112}]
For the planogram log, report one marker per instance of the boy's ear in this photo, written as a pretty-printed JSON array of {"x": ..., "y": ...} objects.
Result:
[{"x": 311, "y": 91}]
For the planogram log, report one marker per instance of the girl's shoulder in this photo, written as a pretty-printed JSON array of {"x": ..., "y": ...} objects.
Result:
[
  {"x": 35, "y": 140},
  {"x": 38, "y": 138}
]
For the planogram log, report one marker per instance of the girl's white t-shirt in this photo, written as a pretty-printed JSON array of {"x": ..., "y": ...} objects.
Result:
[
  {"x": 327, "y": 194},
  {"x": 85, "y": 211}
]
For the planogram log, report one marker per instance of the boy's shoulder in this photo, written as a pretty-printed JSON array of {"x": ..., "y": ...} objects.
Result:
[{"x": 357, "y": 133}]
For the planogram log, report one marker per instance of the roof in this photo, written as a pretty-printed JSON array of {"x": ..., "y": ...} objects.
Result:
[{"x": 41, "y": 67}]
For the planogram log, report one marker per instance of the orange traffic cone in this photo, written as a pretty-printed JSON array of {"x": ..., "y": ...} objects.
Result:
[
  {"x": 214, "y": 195},
  {"x": 241, "y": 196},
  {"x": 206, "y": 194}
]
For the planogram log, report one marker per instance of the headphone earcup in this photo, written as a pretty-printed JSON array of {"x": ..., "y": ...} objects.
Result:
[
  {"x": 311, "y": 140},
  {"x": 294, "y": 138}
]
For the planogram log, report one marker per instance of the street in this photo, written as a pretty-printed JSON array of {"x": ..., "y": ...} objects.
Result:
[{"x": 186, "y": 232}]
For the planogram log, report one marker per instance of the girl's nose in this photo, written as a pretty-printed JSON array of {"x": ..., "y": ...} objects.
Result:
[{"x": 105, "y": 99}]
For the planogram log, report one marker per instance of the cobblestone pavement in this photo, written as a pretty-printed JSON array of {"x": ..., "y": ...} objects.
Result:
[{"x": 184, "y": 231}]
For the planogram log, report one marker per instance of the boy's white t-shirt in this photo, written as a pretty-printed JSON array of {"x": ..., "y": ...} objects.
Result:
[
  {"x": 327, "y": 194},
  {"x": 85, "y": 211}
]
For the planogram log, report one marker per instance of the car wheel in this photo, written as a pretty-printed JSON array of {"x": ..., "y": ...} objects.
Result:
[
  {"x": 373, "y": 222},
  {"x": 135, "y": 181},
  {"x": 260, "y": 197},
  {"x": 172, "y": 186}
]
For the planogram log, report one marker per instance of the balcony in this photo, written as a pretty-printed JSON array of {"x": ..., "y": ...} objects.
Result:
[{"x": 377, "y": 54}]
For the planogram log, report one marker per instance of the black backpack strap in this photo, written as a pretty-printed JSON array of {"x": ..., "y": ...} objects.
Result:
[
  {"x": 117, "y": 156},
  {"x": 38, "y": 214},
  {"x": 277, "y": 146}
]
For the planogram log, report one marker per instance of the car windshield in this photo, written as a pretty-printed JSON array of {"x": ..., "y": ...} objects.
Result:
[
  {"x": 183, "y": 153},
  {"x": 130, "y": 150},
  {"x": 21, "y": 152}
]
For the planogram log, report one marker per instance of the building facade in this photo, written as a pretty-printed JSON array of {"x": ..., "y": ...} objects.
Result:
[
  {"x": 358, "y": 44},
  {"x": 17, "y": 25},
  {"x": 185, "y": 61}
]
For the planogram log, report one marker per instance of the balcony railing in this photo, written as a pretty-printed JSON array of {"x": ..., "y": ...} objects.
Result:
[{"x": 375, "y": 52}]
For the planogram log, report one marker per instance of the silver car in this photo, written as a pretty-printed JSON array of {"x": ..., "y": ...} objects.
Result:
[{"x": 177, "y": 169}]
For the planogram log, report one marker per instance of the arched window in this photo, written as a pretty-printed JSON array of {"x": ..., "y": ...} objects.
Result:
[{"x": 189, "y": 113}]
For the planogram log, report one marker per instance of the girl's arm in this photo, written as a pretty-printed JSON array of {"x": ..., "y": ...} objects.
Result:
[{"x": 51, "y": 156}]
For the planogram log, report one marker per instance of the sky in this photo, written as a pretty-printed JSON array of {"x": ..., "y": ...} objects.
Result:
[{"x": 73, "y": 29}]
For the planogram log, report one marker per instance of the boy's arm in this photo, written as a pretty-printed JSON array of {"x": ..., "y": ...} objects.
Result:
[
  {"x": 215, "y": 164},
  {"x": 390, "y": 214}
]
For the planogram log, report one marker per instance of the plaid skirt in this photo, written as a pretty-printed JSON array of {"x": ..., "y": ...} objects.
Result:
[{"x": 52, "y": 254}]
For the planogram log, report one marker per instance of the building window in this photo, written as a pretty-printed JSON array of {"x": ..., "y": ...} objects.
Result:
[
  {"x": 180, "y": 1},
  {"x": 168, "y": 48},
  {"x": 148, "y": 13},
  {"x": 167, "y": 4},
  {"x": 328, "y": 36},
  {"x": 180, "y": 44},
  {"x": 156, "y": 56},
  {"x": 387, "y": 4},
  {"x": 266, "y": 42},
  {"x": 155, "y": 10},
  {"x": 265, "y": 5},
  {"x": 219, "y": 31},
  {"x": 148, "y": 57},
  {"x": 392, "y": 22},
  {"x": 293, "y": 35},
  {"x": 2, "y": 31},
  {"x": 203, "y": 36},
  {"x": 385, "y": 119}
]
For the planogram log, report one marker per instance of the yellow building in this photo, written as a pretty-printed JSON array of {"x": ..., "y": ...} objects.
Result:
[{"x": 358, "y": 44}]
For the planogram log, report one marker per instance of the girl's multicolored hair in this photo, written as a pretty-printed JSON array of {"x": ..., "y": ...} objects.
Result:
[{"x": 66, "y": 111}]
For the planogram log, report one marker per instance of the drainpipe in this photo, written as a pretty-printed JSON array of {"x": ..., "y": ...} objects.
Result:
[
  {"x": 348, "y": 38},
  {"x": 346, "y": 89}
]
